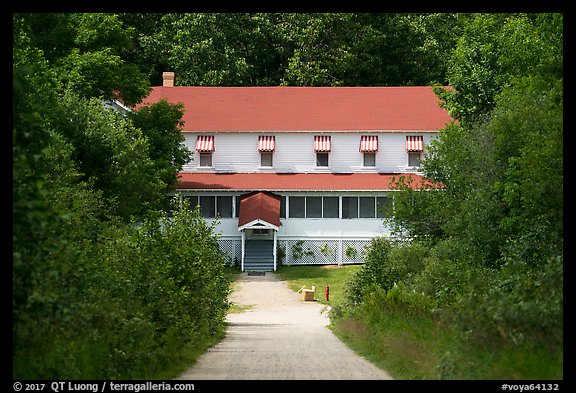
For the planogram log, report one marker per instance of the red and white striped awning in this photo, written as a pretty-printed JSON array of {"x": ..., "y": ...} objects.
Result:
[
  {"x": 266, "y": 143},
  {"x": 369, "y": 143},
  {"x": 205, "y": 143},
  {"x": 322, "y": 143},
  {"x": 415, "y": 143}
]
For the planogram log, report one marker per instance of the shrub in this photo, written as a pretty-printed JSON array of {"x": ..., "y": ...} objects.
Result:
[
  {"x": 409, "y": 301},
  {"x": 124, "y": 303},
  {"x": 515, "y": 304},
  {"x": 371, "y": 274},
  {"x": 446, "y": 273},
  {"x": 387, "y": 264}
]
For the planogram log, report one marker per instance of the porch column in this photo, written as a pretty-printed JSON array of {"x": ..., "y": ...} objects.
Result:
[
  {"x": 243, "y": 241},
  {"x": 274, "y": 249}
]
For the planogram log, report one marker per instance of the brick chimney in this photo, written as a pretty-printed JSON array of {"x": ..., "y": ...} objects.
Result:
[{"x": 168, "y": 79}]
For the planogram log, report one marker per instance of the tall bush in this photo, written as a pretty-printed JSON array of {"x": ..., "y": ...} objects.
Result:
[
  {"x": 387, "y": 263},
  {"x": 123, "y": 305}
]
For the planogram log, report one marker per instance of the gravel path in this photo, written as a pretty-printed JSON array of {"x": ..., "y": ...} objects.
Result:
[{"x": 279, "y": 337}]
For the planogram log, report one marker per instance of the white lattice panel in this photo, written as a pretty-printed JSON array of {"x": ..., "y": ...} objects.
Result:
[
  {"x": 232, "y": 248},
  {"x": 354, "y": 251}
]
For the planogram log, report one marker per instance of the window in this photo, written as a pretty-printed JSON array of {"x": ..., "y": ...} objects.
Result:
[
  {"x": 369, "y": 159},
  {"x": 266, "y": 159},
  {"x": 322, "y": 146},
  {"x": 313, "y": 207},
  {"x": 192, "y": 201},
  {"x": 367, "y": 207},
  {"x": 282, "y": 206},
  {"x": 349, "y": 207},
  {"x": 208, "y": 206},
  {"x": 205, "y": 147},
  {"x": 205, "y": 159},
  {"x": 297, "y": 207},
  {"x": 414, "y": 147},
  {"x": 331, "y": 208},
  {"x": 364, "y": 207},
  {"x": 211, "y": 206},
  {"x": 414, "y": 159},
  {"x": 224, "y": 206},
  {"x": 383, "y": 206},
  {"x": 321, "y": 159},
  {"x": 266, "y": 147},
  {"x": 237, "y": 207}
]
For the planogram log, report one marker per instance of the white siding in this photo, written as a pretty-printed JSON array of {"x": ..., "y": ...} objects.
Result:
[
  {"x": 332, "y": 228},
  {"x": 238, "y": 152},
  {"x": 314, "y": 228}
]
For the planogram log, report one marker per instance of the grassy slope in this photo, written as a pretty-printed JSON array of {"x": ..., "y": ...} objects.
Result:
[{"x": 417, "y": 347}]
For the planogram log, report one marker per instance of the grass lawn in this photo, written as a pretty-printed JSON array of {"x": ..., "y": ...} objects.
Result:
[{"x": 333, "y": 276}]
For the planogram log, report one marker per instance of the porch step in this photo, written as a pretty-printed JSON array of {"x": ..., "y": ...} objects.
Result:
[{"x": 259, "y": 256}]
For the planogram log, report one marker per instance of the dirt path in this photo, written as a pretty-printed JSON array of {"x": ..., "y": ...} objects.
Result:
[{"x": 279, "y": 337}]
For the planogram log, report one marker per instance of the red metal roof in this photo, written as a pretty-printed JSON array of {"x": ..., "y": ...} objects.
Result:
[
  {"x": 261, "y": 205},
  {"x": 293, "y": 181},
  {"x": 284, "y": 108}
]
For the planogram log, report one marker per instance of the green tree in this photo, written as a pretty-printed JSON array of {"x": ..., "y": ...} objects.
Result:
[
  {"x": 161, "y": 124},
  {"x": 492, "y": 49},
  {"x": 299, "y": 49},
  {"x": 101, "y": 289},
  {"x": 207, "y": 49},
  {"x": 87, "y": 53},
  {"x": 82, "y": 60},
  {"x": 498, "y": 216},
  {"x": 109, "y": 151}
]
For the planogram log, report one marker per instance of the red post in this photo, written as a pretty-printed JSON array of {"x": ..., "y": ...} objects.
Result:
[{"x": 327, "y": 292}]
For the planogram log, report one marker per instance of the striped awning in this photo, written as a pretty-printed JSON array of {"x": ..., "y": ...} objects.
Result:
[
  {"x": 205, "y": 143},
  {"x": 415, "y": 143},
  {"x": 266, "y": 143},
  {"x": 322, "y": 143},
  {"x": 369, "y": 143}
]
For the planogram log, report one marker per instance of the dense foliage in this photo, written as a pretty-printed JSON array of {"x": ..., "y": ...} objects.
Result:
[
  {"x": 486, "y": 248},
  {"x": 296, "y": 49},
  {"x": 104, "y": 286}
]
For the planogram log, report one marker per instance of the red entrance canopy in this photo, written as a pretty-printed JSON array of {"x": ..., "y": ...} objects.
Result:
[{"x": 263, "y": 206}]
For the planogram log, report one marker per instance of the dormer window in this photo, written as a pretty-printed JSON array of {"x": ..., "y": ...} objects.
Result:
[
  {"x": 414, "y": 148},
  {"x": 322, "y": 147},
  {"x": 205, "y": 148},
  {"x": 266, "y": 147},
  {"x": 369, "y": 146}
]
